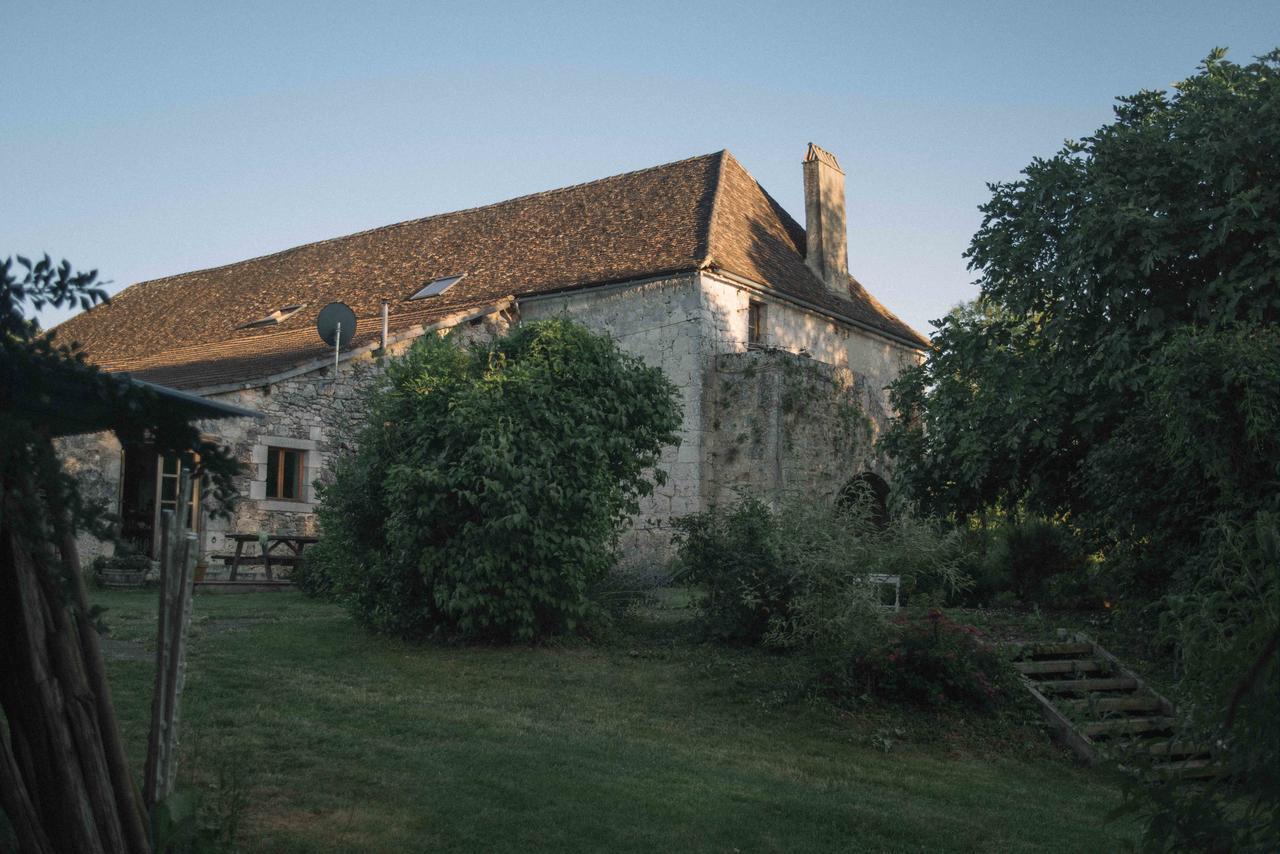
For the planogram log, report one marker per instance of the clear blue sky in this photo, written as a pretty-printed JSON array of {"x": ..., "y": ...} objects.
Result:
[{"x": 147, "y": 140}]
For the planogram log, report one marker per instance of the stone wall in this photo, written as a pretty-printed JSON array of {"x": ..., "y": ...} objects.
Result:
[
  {"x": 783, "y": 422},
  {"x": 769, "y": 418},
  {"x": 94, "y": 460},
  {"x": 797, "y": 330}
]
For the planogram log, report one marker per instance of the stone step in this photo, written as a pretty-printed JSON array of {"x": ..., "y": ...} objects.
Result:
[
  {"x": 1073, "y": 665},
  {"x": 1135, "y": 703},
  {"x": 1128, "y": 726},
  {"x": 1086, "y": 686}
]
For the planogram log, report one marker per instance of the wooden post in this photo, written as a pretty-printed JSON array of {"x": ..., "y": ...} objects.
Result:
[
  {"x": 178, "y": 555},
  {"x": 128, "y": 804},
  {"x": 155, "y": 735},
  {"x": 235, "y": 564},
  {"x": 61, "y": 764}
]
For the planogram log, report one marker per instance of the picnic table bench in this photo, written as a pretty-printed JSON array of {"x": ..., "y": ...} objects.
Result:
[{"x": 292, "y": 545}]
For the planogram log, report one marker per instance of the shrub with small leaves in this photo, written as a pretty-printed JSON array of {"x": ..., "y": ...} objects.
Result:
[
  {"x": 931, "y": 660},
  {"x": 491, "y": 483},
  {"x": 735, "y": 557}
]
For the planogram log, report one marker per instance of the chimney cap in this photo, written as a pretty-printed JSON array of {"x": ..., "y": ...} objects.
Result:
[{"x": 817, "y": 153}]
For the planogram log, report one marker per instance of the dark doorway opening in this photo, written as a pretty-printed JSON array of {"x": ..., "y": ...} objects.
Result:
[
  {"x": 872, "y": 488},
  {"x": 149, "y": 484}
]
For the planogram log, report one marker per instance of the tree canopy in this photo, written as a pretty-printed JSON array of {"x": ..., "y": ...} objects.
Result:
[
  {"x": 1100, "y": 269},
  {"x": 1120, "y": 370}
]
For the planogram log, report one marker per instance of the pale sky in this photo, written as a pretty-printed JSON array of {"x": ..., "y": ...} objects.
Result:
[{"x": 152, "y": 139}]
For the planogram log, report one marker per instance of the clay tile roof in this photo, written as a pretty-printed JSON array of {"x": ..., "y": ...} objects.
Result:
[
  {"x": 753, "y": 237},
  {"x": 697, "y": 213}
]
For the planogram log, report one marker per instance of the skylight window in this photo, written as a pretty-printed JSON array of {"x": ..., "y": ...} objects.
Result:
[
  {"x": 280, "y": 315},
  {"x": 436, "y": 287}
]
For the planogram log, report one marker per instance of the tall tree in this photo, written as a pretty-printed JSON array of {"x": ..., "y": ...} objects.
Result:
[{"x": 1121, "y": 368}]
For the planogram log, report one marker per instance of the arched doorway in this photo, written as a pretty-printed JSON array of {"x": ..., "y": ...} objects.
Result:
[{"x": 872, "y": 488}]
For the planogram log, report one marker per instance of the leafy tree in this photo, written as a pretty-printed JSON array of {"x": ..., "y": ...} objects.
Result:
[
  {"x": 1121, "y": 369},
  {"x": 1092, "y": 265},
  {"x": 490, "y": 485},
  {"x": 64, "y": 779}
]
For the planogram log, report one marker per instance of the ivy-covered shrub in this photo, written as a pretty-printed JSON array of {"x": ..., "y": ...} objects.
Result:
[
  {"x": 488, "y": 490},
  {"x": 933, "y": 661}
]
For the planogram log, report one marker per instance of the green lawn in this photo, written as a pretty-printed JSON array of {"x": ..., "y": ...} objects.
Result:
[{"x": 651, "y": 742}]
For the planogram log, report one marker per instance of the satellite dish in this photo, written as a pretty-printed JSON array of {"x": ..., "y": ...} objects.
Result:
[{"x": 333, "y": 317}]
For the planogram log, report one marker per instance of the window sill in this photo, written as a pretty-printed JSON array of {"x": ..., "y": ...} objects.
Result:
[{"x": 286, "y": 505}]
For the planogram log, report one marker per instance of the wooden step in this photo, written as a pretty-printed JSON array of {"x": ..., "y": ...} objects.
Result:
[
  {"x": 1189, "y": 769},
  {"x": 1136, "y": 703},
  {"x": 1127, "y": 726},
  {"x": 1074, "y": 665},
  {"x": 1038, "y": 650},
  {"x": 1176, "y": 748},
  {"x": 1085, "y": 686}
]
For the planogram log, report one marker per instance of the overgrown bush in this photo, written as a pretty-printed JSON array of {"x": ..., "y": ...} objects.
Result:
[
  {"x": 801, "y": 578},
  {"x": 310, "y": 577},
  {"x": 933, "y": 661},
  {"x": 756, "y": 565},
  {"x": 1023, "y": 556},
  {"x": 735, "y": 557},
  {"x": 491, "y": 482}
]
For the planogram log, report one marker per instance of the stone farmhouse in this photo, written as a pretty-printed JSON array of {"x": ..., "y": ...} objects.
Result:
[{"x": 781, "y": 356}]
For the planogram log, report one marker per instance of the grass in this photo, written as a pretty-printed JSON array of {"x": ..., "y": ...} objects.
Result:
[{"x": 651, "y": 741}]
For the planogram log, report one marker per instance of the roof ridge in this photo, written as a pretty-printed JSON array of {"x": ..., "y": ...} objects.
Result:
[
  {"x": 443, "y": 215},
  {"x": 791, "y": 227},
  {"x": 703, "y": 258}
]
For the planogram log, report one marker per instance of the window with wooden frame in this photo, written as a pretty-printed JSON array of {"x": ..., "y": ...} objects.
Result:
[
  {"x": 755, "y": 324},
  {"x": 284, "y": 473}
]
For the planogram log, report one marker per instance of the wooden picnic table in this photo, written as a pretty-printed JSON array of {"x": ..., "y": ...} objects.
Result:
[{"x": 294, "y": 543}]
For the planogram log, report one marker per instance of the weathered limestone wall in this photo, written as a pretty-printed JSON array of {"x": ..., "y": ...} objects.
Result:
[
  {"x": 663, "y": 322},
  {"x": 797, "y": 330},
  {"x": 768, "y": 418},
  {"x": 784, "y": 423},
  {"x": 94, "y": 460},
  {"x": 782, "y": 415}
]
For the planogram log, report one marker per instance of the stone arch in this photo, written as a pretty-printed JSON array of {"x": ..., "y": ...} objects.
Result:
[{"x": 874, "y": 486}]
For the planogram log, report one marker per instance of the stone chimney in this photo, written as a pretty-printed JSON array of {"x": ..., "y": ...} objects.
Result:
[{"x": 826, "y": 237}]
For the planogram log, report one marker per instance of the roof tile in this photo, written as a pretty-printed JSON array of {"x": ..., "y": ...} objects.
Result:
[{"x": 682, "y": 216}]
